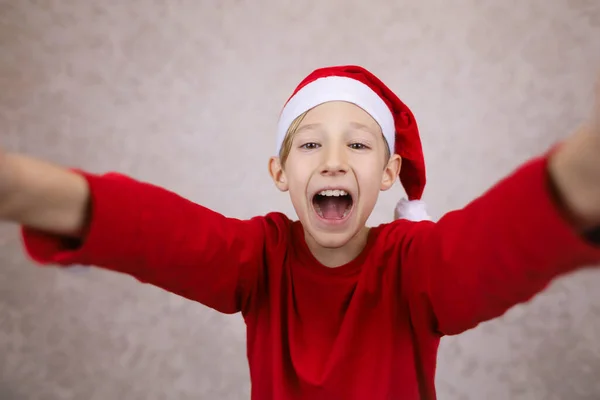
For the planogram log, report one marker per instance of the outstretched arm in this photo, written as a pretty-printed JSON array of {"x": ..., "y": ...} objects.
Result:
[
  {"x": 509, "y": 244},
  {"x": 118, "y": 223},
  {"x": 42, "y": 195}
]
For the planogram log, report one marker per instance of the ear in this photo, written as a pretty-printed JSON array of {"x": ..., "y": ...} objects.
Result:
[
  {"x": 391, "y": 172},
  {"x": 278, "y": 174}
]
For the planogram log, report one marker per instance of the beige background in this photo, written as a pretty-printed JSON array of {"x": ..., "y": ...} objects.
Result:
[{"x": 186, "y": 94}]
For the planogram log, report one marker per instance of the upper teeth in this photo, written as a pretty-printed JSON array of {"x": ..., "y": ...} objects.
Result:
[{"x": 335, "y": 192}]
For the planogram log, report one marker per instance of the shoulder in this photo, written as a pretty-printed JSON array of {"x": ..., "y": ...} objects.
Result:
[
  {"x": 276, "y": 226},
  {"x": 399, "y": 233}
]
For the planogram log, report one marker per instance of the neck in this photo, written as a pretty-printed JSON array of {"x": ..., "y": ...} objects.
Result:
[{"x": 337, "y": 256}]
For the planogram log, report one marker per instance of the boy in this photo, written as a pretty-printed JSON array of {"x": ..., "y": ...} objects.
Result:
[{"x": 334, "y": 310}]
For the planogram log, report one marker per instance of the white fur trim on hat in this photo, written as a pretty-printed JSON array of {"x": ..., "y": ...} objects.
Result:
[
  {"x": 336, "y": 88},
  {"x": 413, "y": 210},
  {"x": 77, "y": 269}
]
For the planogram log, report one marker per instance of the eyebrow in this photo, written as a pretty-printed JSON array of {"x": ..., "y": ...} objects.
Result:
[
  {"x": 308, "y": 127},
  {"x": 354, "y": 125},
  {"x": 363, "y": 127}
]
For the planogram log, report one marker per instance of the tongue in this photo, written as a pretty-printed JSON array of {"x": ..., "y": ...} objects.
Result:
[{"x": 332, "y": 207}]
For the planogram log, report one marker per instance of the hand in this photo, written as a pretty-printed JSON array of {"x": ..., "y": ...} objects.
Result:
[
  {"x": 575, "y": 171},
  {"x": 42, "y": 195}
]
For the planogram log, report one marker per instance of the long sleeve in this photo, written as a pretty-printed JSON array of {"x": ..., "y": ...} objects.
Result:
[
  {"x": 500, "y": 250},
  {"x": 162, "y": 239}
]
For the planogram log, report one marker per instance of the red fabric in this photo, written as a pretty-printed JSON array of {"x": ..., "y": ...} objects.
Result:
[
  {"x": 408, "y": 141},
  {"x": 366, "y": 330}
]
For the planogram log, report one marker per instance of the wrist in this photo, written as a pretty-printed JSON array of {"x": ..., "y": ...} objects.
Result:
[
  {"x": 574, "y": 177},
  {"x": 43, "y": 196}
]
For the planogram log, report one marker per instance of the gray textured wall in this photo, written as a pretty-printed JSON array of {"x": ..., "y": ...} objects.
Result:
[{"x": 186, "y": 94}]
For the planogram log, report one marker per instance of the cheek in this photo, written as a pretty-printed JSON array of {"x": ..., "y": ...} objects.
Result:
[
  {"x": 370, "y": 181},
  {"x": 372, "y": 172},
  {"x": 299, "y": 171},
  {"x": 297, "y": 181}
]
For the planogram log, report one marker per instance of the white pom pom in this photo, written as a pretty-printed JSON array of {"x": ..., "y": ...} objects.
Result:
[
  {"x": 76, "y": 269},
  {"x": 413, "y": 210}
]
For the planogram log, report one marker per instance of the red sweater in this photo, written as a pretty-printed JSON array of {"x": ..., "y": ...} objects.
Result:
[{"x": 367, "y": 330}]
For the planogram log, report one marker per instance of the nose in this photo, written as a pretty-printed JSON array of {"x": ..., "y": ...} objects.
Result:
[{"x": 335, "y": 162}]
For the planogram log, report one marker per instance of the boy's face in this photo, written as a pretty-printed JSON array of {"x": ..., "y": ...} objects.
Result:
[{"x": 336, "y": 167}]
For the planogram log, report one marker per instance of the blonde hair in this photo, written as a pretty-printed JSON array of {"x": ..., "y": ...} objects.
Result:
[{"x": 286, "y": 146}]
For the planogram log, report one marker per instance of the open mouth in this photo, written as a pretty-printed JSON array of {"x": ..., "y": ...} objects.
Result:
[{"x": 332, "y": 204}]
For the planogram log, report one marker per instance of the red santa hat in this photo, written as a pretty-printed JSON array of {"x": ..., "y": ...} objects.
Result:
[{"x": 356, "y": 85}]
